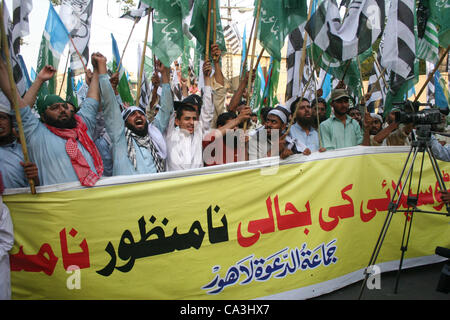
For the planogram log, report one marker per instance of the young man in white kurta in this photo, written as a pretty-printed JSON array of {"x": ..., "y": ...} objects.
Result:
[{"x": 184, "y": 148}]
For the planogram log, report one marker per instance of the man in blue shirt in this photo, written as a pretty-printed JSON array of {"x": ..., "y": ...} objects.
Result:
[
  {"x": 61, "y": 144},
  {"x": 138, "y": 147},
  {"x": 15, "y": 171},
  {"x": 302, "y": 132}
]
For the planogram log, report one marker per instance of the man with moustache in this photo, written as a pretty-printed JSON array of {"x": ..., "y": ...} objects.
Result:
[
  {"x": 61, "y": 144},
  {"x": 138, "y": 147},
  {"x": 302, "y": 132},
  {"x": 319, "y": 106},
  {"x": 340, "y": 130},
  {"x": 271, "y": 141}
]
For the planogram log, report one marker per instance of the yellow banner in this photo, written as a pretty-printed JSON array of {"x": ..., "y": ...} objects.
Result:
[{"x": 242, "y": 234}]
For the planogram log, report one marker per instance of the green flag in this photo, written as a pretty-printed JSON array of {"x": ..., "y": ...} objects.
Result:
[
  {"x": 188, "y": 44},
  {"x": 277, "y": 20},
  {"x": 199, "y": 24},
  {"x": 168, "y": 40},
  {"x": 440, "y": 13}
]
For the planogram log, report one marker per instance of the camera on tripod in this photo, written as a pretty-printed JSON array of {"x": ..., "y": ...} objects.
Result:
[{"x": 409, "y": 113}]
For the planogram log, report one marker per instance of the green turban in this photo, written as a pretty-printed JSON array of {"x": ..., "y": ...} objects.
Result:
[{"x": 44, "y": 102}]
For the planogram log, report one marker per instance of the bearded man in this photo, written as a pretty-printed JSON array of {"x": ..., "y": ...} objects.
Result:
[
  {"x": 61, "y": 143},
  {"x": 302, "y": 132},
  {"x": 138, "y": 147}
]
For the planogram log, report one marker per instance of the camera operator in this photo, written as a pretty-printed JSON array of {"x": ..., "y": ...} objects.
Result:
[
  {"x": 393, "y": 132},
  {"x": 441, "y": 151}
]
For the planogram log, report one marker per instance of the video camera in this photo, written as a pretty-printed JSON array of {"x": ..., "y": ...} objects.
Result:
[{"x": 409, "y": 113}]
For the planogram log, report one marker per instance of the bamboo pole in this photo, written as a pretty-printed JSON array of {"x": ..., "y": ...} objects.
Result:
[
  {"x": 377, "y": 80},
  {"x": 248, "y": 48},
  {"x": 250, "y": 76},
  {"x": 78, "y": 53},
  {"x": 126, "y": 44},
  {"x": 208, "y": 31},
  {"x": 214, "y": 22},
  {"x": 431, "y": 75},
  {"x": 379, "y": 69},
  {"x": 64, "y": 76},
  {"x": 258, "y": 10},
  {"x": 14, "y": 93},
  {"x": 141, "y": 70},
  {"x": 305, "y": 40}
]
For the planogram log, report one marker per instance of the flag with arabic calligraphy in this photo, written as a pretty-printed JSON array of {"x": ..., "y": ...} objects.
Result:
[
  {"x": 77, "y": 17},
  {"x": 199, "y": 23},
  {"x": 276, "y": 21},
  {"x": 168, "y": 41},
  {"x": 440, "y": 12}
]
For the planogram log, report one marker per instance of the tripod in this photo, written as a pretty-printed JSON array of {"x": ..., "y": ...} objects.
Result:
[{"x": 422, "y": 144}]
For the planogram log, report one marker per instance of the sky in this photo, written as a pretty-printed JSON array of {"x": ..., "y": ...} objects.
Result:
[{"x": 105, "y": 20}]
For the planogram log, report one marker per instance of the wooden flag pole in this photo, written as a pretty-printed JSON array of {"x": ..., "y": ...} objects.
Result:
[
  {"x": 141, "y": 70},
  {"x": 208, "y": 31},
  {"x": 431, "y": 75},
  {"x": 250, "y": 76},
  {"x": 64, "y": 76},
  {"x": 214, "y": 22},
  {"x": 305, "y": 40},
  {"x": 78, "y": 53},
  {"x": 248, "y": 47},
  {"x": 255, "y": 70},
  {"x": 378, "y": 79},
  {"x": 14, "y": 93},
  {"x": 379, "y": 69},
  {"x": 126, "y": 44}
]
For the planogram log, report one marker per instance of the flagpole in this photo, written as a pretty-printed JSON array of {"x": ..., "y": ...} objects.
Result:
[
  {"x": 305, "y": 40},
  {"x": 126, "y": 44},
  {"x": 64, "y": 76},
  {"x": 141, "y": 70},
  {"x": 248, "y": 47},
  {"x": 250, "y": 76},
  {"x": 377, "y": 80},
  {"x": 78, "y": 53},
  {"x": 208, "y": 31},
  {"x": 15, "y": 102},
  {"x": 214, "y": 22},
  {"x": 431, "y": 75},
  {"x": 379, "y": 69},
  {"x": 315, "y": 96}
]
